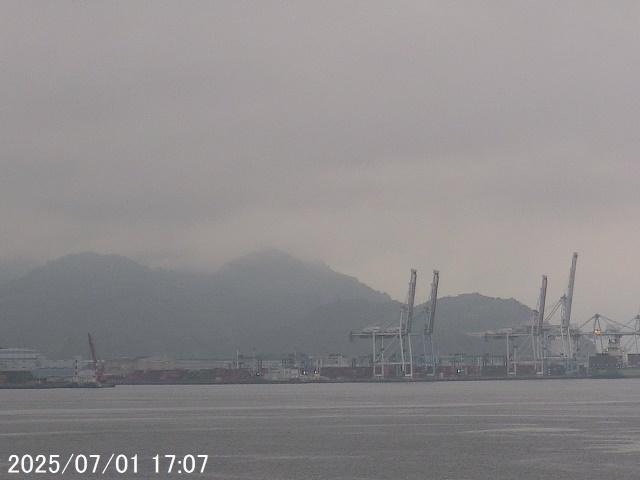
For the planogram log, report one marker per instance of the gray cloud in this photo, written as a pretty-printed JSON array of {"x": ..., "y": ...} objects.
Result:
[{"x": 489, "y": 140}]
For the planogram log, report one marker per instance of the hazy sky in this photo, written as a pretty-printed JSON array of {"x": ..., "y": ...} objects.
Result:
[{"x": 489, "y": 140}]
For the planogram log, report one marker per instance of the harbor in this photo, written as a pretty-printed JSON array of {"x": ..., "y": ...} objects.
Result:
[{"x": 404, "y": 349}]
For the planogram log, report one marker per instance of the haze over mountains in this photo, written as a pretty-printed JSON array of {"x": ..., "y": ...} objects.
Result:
[{"x": 266, "y": 303}]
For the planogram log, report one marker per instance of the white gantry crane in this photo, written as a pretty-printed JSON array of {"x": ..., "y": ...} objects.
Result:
[
  {"x": 568, "y": 350},
  {"x": 607, "y": 336},
  {"x": 392, "y": 349},
  {"x": 429, "y": 324},
  {"x": 391, "y": 344},
  {"x": 539, "y": 348},
  {"x": 533, "y": 342}
]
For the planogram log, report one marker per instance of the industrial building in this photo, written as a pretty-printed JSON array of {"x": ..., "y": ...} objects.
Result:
[{"x": 19, "y": 365}]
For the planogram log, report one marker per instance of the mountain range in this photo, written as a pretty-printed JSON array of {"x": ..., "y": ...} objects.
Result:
[{"x": 266, "y": 303}]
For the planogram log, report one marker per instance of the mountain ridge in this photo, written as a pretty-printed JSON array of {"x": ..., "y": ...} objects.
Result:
[{"x": 266, "y": 302}]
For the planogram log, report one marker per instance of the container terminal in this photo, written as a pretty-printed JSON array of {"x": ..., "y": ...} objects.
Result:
[{"x": 538, "y": 349}]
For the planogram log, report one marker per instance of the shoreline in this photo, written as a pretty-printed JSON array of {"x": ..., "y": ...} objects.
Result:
[{"x": 65, "y": 385}]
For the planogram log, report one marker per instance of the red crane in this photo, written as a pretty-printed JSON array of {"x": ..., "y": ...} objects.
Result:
[{"x": 97, "y": 368}]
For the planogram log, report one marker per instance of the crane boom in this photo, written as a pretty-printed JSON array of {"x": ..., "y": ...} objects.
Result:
[
  {"x": 411, "y": 296},
  {"x": 96, "y": 367},
  {"x": 541, "y": 303},
  {"x": 431, "y": 306},
  {"x": 566, "y": 318},
  {"x": 93, "y": 353}
]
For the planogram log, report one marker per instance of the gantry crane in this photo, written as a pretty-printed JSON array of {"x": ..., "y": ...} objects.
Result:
[
  {"x": 430, "y": 309},
  {"x": 605, "y": 328},
  {"x": 568, "y": 350},
  {"x": 539, "y": 345},
  {"x": 541, "y": 334},
  {"x": 391, "y": 344}
]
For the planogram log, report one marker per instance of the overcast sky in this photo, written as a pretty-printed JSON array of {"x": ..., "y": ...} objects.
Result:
[{"x": 489, "y": 140}]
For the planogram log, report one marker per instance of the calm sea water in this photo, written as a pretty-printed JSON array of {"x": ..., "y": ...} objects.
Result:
[{"x": 565, "y": 429}]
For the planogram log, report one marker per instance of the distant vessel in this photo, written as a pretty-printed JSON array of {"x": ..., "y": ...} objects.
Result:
[{"x": 610, "y": 365}]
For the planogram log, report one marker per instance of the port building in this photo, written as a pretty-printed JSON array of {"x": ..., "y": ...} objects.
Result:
[{"x": 20, "y": 364}]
